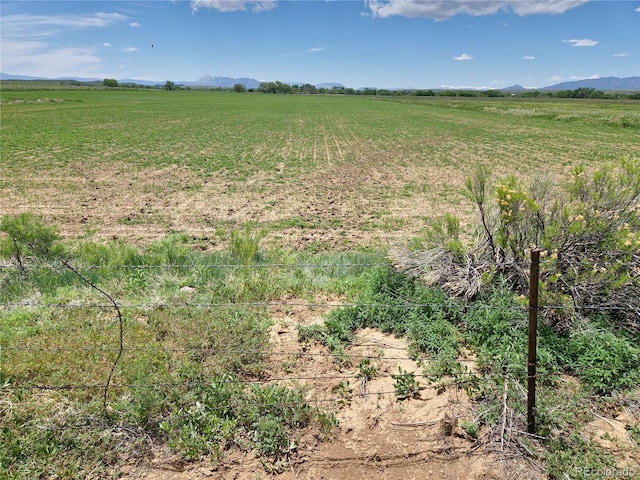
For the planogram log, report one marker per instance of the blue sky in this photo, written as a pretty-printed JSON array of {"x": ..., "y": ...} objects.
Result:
[{"x": 381, "y": 43}]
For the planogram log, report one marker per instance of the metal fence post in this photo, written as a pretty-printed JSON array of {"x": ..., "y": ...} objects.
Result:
[{"x": 534, "y": 273}]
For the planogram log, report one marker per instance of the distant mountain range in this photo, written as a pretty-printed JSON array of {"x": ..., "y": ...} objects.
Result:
[
  {"x": 225, "y": 82},
  {"x": 605, "y": 83}
]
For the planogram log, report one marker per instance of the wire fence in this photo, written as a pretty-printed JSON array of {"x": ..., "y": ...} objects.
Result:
[{"x": 120, "y": 348}]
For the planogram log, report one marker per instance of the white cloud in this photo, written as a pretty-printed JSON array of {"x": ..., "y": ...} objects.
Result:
[
  {"x": 443, "y": 9},
  {"x": 25, "y": 25},
  {"x": 528, "y": 57},
  {"x": 538, "y": 7},
  {"x": 621, "y": 54},
  {"x": 130, "y": 49},
  {"x": 235, "y": 5},
  {"x": 592, "y": 77},
  {"x": 11, "y": 48},
  {"x": 556, "y": 78},
  {"x": 465, "y": 87},
  {"x": 24, "y": 44},
  {"x": 637, "y": 10},
  {"x": 306, "y": 52},
  {"x": 33, "y": 58},
  {"x": 464, "y": 56},
  {"x": 134, "y": 25},
  {"x": 581, "y": 42}
]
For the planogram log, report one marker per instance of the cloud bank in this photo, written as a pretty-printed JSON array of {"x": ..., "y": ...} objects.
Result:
[
  {"x": 435, "y": 9},
  {"x": 25, "y": 42},
  {"x": 443, "y": 9},
  {"x": 234, "y": 5}
]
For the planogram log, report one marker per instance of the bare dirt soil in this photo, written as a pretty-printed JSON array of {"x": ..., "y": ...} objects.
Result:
[
  {"x": 377, "y": 436},
  {"x": 340, "y": 205}
]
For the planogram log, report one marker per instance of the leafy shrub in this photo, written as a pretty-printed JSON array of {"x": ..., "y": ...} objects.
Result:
[
  {"x": 28, "y": 238},
  {"x": 398, "y": 304},
  {"x": 406, "y": 386},
  {"x": 605, "y": 361},
  {"x": 588, "y": 229}
]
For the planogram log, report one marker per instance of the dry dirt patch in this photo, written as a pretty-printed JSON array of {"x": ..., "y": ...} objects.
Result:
[
  {"x": 378, "y": 437},
  {"x": 359, "y": 202}
]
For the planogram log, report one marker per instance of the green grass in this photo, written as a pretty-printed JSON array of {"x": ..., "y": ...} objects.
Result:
[
  {"x": 291, "y": 163},
  {"x": 178, "y": 364},
  {"x": 241, "y": 135},
  {"x": 183, "y": 359}
]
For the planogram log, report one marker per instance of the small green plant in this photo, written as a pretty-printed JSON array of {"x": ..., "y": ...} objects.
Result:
[
  {"x": 328, "y": 421},
  {"x": 634, "y": 433},
  {"x": 367, "y": 369},
  {"x": 27, "y": 239},
  {"x": 244, "y": 244},
  {"x": 343, "y": 391},
  {"x": 270, "y": 437},
  {"x": 470, "y": 428},
  {"x": 439, "y": 368},
  {"x": 605, "y": 361},
  {"x": 136, "y": 279},
  {"x": 406, "y": 385},
  {"x": 572, "y": 456}
]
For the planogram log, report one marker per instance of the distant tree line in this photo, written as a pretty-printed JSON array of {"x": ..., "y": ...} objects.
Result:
[
  {"x": 285, "y": 88},
  {"x": 306, "y": 88}
]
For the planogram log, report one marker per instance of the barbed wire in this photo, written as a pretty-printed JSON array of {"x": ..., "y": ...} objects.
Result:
[
  {"x": 297, "y": 354},
  {"x": 203, "y": 265},
  {"x": 251, "y": 266},
  {"x": 210, "y": 351},
  {"x": 226, "y": 265},
  {"x": 238, "y": 304},
  {"x": 470, "y": 377},
  {"x": 186, "y": 304}
]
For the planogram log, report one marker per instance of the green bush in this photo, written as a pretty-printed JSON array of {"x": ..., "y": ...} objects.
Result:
[
  {"x": 605, "y": 361},
  {"x": 28, "y": 239},
  {"x": 588, "y": 229},
  {"x": 395, "y": 303}
]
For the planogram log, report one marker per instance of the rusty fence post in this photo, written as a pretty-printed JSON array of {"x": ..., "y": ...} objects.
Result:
[{"x": 534, "y": 274}]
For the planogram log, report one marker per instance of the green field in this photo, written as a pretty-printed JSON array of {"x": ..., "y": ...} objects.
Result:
[
  {"x": 346, "y": 169},
  {"x": 220, "y": 254}
]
